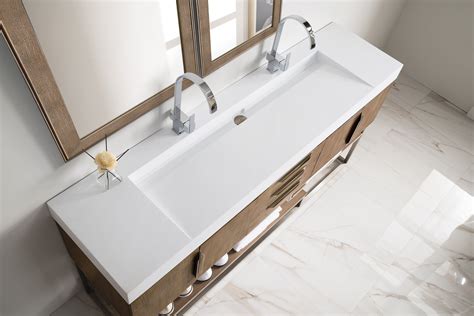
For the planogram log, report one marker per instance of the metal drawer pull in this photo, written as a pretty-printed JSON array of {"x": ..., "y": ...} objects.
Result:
[
  {"x": 290, "y": 181},
  {"x": 295, "y": 168},
  {"x": 199, "y": 262},
  {"x": 283, "y": 195},
  {"x": 353, "y": 128}
]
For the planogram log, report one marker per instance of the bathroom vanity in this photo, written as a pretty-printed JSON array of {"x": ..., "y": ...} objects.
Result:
[{"x": 187, "y": 199}]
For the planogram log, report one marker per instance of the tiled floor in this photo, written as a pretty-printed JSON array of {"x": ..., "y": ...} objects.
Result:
[{"x": 392, "y": 232}]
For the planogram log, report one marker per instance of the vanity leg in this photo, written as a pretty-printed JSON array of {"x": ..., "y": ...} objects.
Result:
[
  {"x": 340, "y": 160},
  {"x": 344, "y": 160},
  {"x": 299, "y": 203}
]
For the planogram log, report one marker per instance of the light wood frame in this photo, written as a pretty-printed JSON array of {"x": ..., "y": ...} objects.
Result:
[
  {"x": 20, "y": 36},
  {"x": 209, "y": 65}
]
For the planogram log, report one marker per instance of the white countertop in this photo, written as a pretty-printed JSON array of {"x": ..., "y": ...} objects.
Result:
[{"x": 179, "y": 190}]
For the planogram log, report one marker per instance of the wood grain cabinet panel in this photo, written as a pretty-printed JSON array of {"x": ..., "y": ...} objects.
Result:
[
  {"x": 238, "y": 227},
  {"x": 371, "y": 110},
  {"x": 350, "y": 131},
  {"x": 338, "y": 140},
  {"x": 167, "y": 289},
  {"x": 149, "y": 303}
]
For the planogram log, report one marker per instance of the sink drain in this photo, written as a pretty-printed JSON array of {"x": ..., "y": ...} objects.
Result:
[{"x": 239, "y": 119}]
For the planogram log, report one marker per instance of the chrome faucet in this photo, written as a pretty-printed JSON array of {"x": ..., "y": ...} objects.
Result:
[
  {"x": 276, "y": 61},
  {"x": 181, "y": 122}
]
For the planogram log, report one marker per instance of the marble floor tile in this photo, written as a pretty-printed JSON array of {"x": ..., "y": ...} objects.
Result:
[
  {"x": 437, "y": 113},
  {"x": 391, "y": 233},
  {"x": 407, "y": 92}
]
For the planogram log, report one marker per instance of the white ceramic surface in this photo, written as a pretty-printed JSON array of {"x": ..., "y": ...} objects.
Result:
[
  {"x": 187, "y": 292},
  {"x": 168, "y": 309},
  {"x": 179, "y": 190},
  {"x": 244, "y": 242},
  {"x": 222, "y": 261},
  {"x": 205, "y": 276}
]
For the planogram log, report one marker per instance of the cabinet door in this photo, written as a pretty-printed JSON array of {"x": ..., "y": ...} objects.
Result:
[
  {"x": 225, "y": 238},
  {"x": 350, "y": 131},
  {"x": 167, "y": 289},
  {"x": 371, "y": 110},
  {"x": 338, "y": 140}
]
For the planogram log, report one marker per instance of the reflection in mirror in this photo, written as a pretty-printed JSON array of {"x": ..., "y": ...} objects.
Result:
[
  {"x": 107, "y": 56},
  {"x": 233, "y": 22}
]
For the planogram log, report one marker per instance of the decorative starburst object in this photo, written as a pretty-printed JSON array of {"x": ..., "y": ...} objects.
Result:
[{"x": 106, "y": 163}]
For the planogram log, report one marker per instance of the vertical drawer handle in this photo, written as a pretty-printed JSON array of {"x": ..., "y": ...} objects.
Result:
[
  {"x": 353, "y": 128},
  {"x": 288, "y": 183},
  {"x": 285, "y": 194},
  {"x": 199, "y": 263},
  {"x": 295, "y": 168}
]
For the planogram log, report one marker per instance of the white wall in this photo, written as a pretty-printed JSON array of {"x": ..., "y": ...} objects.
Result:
[
  {"x": 36, "y": 273},
  {"x": 434, "y": 39}
]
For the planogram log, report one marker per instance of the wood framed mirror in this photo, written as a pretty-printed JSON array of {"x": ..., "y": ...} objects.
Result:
[
  {"x": 228, "y": 28},
  {"x": 95, "y": 66}
]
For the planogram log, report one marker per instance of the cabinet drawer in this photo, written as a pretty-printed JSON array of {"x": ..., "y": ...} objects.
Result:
[
  {"x": 291, "y": 182},
  {"x": 243, "y": 223}
]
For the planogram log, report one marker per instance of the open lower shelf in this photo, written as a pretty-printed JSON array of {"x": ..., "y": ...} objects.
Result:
[{"x": 182, "y": 304}]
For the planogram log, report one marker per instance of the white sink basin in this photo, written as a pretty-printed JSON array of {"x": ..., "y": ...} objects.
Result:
[{"x": 197, "y": 186}]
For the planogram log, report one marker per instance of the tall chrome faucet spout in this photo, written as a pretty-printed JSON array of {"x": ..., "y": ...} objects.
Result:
[
  {"x": 276, "y": 61},
  {"x": 181, "y": 122}
]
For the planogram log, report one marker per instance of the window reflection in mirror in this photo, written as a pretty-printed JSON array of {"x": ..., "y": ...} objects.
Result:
[
  {"x": 233, "y": 22},
  {"x": 107, "y": 56}
]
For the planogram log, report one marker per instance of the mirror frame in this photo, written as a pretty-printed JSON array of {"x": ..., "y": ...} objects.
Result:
[
  {"x": 209, "y": 65},
  {"x": 16, "y": 28}
]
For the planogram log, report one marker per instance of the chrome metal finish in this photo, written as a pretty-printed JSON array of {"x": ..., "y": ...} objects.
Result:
[
  {"x": 344, "y": 160},
  {"x": 276, "y": 61},
  {"x": 336, "y": 163},
  {"x": 182, "y": 122},
  {"x": 239, "y": 119}
]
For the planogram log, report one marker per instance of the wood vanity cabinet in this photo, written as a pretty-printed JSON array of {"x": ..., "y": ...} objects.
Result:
[
  {"x": 349, "y": 131},
  {"x": 166, "y": 290},
  {"x": 286, "y": 192}
]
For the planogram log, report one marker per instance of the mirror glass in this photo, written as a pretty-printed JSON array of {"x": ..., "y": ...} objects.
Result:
[
  {"x": 107, "y": 56},
  {"x": 233, "y": 22}
]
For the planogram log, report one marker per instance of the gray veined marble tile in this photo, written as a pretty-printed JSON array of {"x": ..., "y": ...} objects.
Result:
[
  {"x": 407, "y": 92},
  {"x": 447, "y": 121},
  {"x": 466, "y": 181}
]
